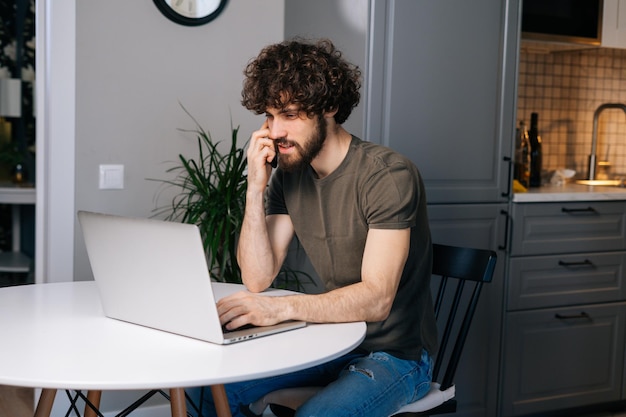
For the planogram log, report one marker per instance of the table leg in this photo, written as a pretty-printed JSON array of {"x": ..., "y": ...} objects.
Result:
[
  {"x": 93, "y": 397},
  {"x": 44, "y": 405},
  {"x": 221, "y": 401},
  {"x": 177, "y": 402}
]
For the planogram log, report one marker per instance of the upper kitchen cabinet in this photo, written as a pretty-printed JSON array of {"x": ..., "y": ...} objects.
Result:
[
  {"x": 614, "y": 24},
  {"x": 442, "y": 91},
  {"x": 439, "y": 84},
  {"x": 568, "y": 24}
]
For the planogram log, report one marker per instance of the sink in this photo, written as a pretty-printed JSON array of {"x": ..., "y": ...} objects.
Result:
[{"x": 603, "y": 183}]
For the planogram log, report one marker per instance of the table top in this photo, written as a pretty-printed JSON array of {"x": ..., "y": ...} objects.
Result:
[{"x": 56, "y": 336}]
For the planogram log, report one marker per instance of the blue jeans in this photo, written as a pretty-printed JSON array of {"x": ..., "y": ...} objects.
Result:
[{"x": 375, "y": 384}]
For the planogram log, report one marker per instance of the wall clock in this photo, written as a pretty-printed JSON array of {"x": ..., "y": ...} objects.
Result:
[{"x": 191, "y": 12}]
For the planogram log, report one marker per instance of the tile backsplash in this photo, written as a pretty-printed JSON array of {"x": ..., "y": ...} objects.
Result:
[{"x": 565, "y": 88}]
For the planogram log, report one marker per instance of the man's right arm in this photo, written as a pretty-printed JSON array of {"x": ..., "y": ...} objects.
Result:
[
  {"x": 264, "y": 240},
  {"x": 263, "y": 244}
]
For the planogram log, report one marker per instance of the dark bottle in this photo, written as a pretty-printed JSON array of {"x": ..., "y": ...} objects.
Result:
[
  {"x": 522, "y": 155},
  {"x": 535, "y": 151}
]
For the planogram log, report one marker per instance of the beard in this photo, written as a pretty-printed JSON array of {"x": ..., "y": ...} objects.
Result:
[{"x": 304, "y": 155}]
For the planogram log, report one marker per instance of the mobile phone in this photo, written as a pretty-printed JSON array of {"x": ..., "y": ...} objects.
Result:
[{"x": 274, "y": 162}]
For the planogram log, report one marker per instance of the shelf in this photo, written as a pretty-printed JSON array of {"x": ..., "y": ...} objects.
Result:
[
  {"x": 16, "y": 194},
  {"x": 14, "y": 262}
]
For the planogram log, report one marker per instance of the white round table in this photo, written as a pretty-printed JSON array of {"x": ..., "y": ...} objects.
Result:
[{"x": 55, "y": 336}]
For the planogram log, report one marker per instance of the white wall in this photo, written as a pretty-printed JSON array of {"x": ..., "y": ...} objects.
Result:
[{"x": 133, "y": 67}]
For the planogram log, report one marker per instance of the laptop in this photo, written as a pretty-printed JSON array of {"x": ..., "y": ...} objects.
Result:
[{"x": 154, "y": 273}]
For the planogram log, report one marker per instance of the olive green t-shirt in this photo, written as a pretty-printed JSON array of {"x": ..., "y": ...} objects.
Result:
[{"x": 373, "y": 188}]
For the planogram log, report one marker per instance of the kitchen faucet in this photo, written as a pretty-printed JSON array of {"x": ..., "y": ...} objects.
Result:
[{"x": 594, "y": 135}]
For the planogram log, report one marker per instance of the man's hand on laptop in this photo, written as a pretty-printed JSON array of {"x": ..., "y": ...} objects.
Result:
[{"x": 243, "y": 308}]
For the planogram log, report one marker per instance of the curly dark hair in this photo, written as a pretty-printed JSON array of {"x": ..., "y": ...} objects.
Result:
[{"x": 313, "y": 76}]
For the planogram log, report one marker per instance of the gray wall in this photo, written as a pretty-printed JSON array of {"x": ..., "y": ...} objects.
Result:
[
  {"x": 343, "y": 21},
  {"x": 133, "y": 67}
]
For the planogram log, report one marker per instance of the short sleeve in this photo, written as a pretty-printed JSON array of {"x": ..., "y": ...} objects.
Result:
[{"x": 391, "y": 197}]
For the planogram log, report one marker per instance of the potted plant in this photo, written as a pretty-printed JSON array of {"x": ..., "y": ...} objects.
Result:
[
  {"x": 211, "y": 194},
  {"x": 212, "y": 190}
]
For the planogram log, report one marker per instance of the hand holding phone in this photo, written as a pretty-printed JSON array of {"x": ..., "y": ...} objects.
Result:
[{"x": 274, "y": 162}]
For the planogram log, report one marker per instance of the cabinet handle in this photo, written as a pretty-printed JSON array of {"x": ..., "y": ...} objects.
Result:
[
  {"x": 506, "y": 230},
  {"x": 586, "y": 262},
  {"x": 508, "y": 177},
  {"x": 578, "y": 210},
  {"x": 582, "y": 315}
]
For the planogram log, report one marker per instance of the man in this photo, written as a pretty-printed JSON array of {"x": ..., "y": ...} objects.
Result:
[{"x": 359, "y": 211}]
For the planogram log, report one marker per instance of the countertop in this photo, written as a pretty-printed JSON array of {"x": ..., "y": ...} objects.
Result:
[{"x": 570, "y": 192}]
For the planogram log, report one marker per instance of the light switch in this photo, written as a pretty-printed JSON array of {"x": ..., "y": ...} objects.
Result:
[{"x": 111, "y": 177}]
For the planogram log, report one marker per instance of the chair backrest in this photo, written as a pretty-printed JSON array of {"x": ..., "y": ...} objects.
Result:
[{"x": 463, "y": 272}]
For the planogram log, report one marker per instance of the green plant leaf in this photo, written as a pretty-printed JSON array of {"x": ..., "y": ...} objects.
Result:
[{"x": 211, "y": 194}]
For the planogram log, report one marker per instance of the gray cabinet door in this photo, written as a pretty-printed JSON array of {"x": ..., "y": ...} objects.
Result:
[
  {"x": 563, "y": 357},
  {"x": 562, "y": 280},
  {"x": 568, "y": 227},
  {"x": 477, "y": 226},
  {"x": 442, "y": 91}
]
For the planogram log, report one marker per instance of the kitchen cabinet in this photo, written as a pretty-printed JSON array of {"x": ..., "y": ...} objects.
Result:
[
  {"x": 442, "y": 91},
  {"x": 614, "y": 24},
  {"x": 568, "y": 227},
  {"x": 563, "y": 357},
  {"x": 612, "y": 28},
  {"x": 440, "y": 87},
  {"x": 565, "y": 279},
  {"x": 481, "y": 225},
  {"x": 565, "y": 307},
  {"x": 439, "y": 84}
]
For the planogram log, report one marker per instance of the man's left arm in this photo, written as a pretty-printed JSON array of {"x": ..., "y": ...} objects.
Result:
[{"x": 370, "y": 300}]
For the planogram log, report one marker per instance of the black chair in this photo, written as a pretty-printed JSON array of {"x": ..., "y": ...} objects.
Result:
[{"x": 462, "y": 272}]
